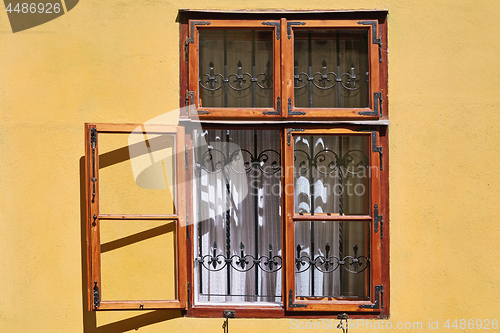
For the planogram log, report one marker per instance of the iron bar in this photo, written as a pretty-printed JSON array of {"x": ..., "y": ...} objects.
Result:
[
  {"x": 256, "y": 211},
  {"x": 228, "y": 217},
  {"x": 225, "y": 70},
  {"x": 253, "y": 79}
]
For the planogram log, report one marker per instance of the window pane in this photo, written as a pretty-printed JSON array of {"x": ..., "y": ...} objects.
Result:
[
  {"x": 138, "y": 260},
  {"x": 331, "y": 68},
  {"x": 136, "y": 176},
  {"x": 331, "y": 174},
  {"x": 239, "y": 213},
  {"x": 236, "y": 68},
  {"x": 331, "y": 259}
]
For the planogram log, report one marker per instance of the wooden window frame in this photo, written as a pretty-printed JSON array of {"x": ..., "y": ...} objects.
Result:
[
  {"x": 231, "y": 112},
  {"x": 375, "y": 278},
  {"x": 94, "y": 218},
  {"x": 379, "y": 251},
  {"x": 283, "y": 108}
]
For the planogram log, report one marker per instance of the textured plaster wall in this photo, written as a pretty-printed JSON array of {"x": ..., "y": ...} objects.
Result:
[{"x": 117, "y": 61}]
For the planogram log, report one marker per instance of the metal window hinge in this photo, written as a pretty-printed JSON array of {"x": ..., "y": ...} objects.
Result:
[
  {"x": 293, "y": 113},
  {"x": 290, "y": 301},
  {"x": 375, "y": 40},
  {"x": 375, "y": 148},
  {"x": 190, "y": 39},
  {"x": 93, "y": 144},
  {"x": 277, "y": 25},
  {"x": 97, "y": 299},
  {"x": 377, "y": 102},
  {"x": 189, "y": 101},
  {"x": 289, "y": 133},
  {"x": 189, "y": 294},
  {"x": 379, "y": 299},
  {"x": 289, "y": 29},
  {"x": 378, "y": 218},
  {"x": 278, "y": 107}
]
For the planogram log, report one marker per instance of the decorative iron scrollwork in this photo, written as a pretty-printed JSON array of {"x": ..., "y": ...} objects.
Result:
[
  {"x": 326, "y": 162},
  {"x": 325, "y": 80},
  {"x": 214, "y": 160},
  {"x": 238, "y": 81},
  {"x": 242, "y": 262},
  {"x": 329, "y": 263}
]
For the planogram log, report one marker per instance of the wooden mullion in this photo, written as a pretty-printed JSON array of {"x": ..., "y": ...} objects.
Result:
[{"x": 181, "y": 222}]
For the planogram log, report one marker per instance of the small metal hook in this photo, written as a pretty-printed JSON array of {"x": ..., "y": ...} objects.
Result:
[{"x": 343, "y": 324}]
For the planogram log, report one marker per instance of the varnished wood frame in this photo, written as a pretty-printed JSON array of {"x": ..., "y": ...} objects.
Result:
[
  {"x": 230, "y": 112},
  {"x": 331, "y": 113},
  {"x": 93, "y": 227},
  {"x": 338, "y": 305},
  {"x": 311, "y": 312}
]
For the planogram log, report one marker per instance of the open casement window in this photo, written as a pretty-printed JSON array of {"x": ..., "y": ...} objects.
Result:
[
  {"x": 333, "y": 236},
  {"x": 136, "y": 234},
  {"x": 332, "y": 69},
  {"x": 276, "y": 69},
  {"x": 233, "y": 68}
]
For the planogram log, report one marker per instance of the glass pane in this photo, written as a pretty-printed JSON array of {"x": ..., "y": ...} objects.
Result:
[
  {"x": 236, "y": 68},
  {"x": 138, "y": 260},
  {"x": 331, "y": 68},
  {"x": 331, "y": 174},
  {"x": 239, "y": 214},
  {"x": 332, "y": 259},
  {"x": 136, "y": 173}
]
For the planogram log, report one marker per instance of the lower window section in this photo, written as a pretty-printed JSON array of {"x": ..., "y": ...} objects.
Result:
[
  {"x": 331, "y": 259},
  {"x": 238, "y": 255}
]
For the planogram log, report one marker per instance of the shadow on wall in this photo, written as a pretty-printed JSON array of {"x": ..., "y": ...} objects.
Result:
[{"x": 90, "y": 317}]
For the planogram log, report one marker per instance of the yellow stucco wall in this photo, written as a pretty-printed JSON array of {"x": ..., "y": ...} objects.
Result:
[{"x": 117, "y": 61}]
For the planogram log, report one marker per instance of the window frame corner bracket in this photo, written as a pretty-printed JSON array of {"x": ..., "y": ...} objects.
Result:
[
  {"x": 291, "y": 304},
  {"x": 375, "y": 40},
  {"x": 289, "y": 133},
  {"x": 379, "y": 299},
  {"x": 277, "y": 25}
]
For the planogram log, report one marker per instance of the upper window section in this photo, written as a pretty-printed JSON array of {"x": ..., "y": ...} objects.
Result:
[
  {"x": 331, "y": 68},
  {"x": 278, "y": 69},
  {"x": 236, "y": 68}
]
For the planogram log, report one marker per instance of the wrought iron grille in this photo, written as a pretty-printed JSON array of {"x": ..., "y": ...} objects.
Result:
[{"x": 268, "y": 162}]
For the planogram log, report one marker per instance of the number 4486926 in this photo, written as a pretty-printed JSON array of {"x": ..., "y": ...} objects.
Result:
[
  {"x": 47, "y": 8},
  {"x": 485, "y": 324}
]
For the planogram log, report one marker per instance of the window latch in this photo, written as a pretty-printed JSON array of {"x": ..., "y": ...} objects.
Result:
[{"x": 378, "y": 218}]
